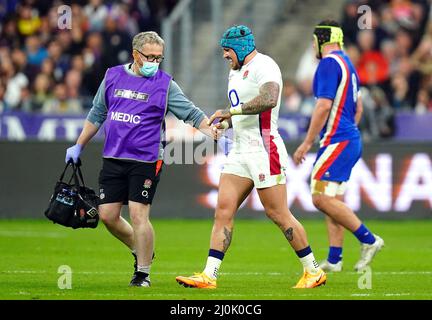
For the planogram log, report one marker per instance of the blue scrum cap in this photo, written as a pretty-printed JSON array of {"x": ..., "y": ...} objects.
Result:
[{"x": 240, "y": 39}]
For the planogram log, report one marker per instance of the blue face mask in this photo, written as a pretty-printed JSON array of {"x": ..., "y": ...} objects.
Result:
[{"x": 149, "y": 69}]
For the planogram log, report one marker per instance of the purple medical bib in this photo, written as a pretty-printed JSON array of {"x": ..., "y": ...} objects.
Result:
[{"x": 136, "y": 114}]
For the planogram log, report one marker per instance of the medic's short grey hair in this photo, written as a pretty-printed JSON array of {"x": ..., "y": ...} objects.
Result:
[{"x": 146, "y": 37}]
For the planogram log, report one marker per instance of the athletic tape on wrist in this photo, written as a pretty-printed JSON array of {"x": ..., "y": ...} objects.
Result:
[
  {"x": 224, "y": 124},
  {"x": 236, "y": 110}
]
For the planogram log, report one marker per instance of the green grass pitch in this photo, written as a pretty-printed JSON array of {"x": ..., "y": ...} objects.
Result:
[{"x": 260, "y": 264}]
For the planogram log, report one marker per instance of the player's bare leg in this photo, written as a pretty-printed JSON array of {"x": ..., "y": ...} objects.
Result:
[
  {"x": 233, "y": 190},
  {"x": 335, "y": 233},
  {"x": 274, "y": 200},
  {"x": 144, "y": 242},
  {"x": 118, "y": 226},
  {"x": 343, "y": 215},
  {"x": 337, "y": 210}
]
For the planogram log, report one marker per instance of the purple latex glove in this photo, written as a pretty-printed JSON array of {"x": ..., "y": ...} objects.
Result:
[
  {"x": 73, "y": 153},
  {"x": 225, "y": 144}
]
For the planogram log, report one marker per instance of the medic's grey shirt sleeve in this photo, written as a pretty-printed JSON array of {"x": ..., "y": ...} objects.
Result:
[
  {"x": 98, "y": 112},
  {"x": 182, "y": 107}
]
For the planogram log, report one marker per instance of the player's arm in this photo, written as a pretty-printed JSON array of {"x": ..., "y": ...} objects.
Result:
[
  {"x": 223, "y": 125},
  {"x": 318, "y": 120},
  {"x": 224, "y": 116},
  {"x": 267, "y": 99},
  {"x": 328, "y": 77}
]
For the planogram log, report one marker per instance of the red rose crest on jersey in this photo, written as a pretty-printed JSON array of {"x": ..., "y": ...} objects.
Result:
[
  {"x": 147, "y": 184},
  {"x": 245, "y": 74},
  {"x": 261, "y": 177}
]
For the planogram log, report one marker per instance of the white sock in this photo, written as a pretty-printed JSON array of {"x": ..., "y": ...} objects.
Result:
[
  {"x": 212, "y": 267},
  {"x": 309, "y": 263},
  {"x": 145, "y": 269}
]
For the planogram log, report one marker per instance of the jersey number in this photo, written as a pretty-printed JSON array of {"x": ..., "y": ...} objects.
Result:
[
  {"x": 354, "y": 86},
  {"x": 234, "y": 98}
]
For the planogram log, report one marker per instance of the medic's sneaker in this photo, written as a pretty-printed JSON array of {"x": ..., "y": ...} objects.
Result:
[
  {"x": 198, "y": 280},
  {"x": 368, "y": 251},
  {"x": 136, "y": 260},
  {"x": 331, "y": 267},
  {"x": 140, "y": 279},
  {"x": 309, "y": 280}
]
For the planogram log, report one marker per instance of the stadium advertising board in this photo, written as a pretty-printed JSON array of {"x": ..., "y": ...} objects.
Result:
[{"x": 381, "y": 183}]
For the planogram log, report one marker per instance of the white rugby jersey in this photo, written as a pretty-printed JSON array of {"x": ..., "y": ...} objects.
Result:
[{"x": 255, "y": 132}]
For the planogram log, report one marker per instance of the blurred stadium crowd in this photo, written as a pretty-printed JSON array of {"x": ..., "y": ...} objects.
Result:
[
  {"x": 393, "y": 60},
  {"x": 49, "y": 70}
]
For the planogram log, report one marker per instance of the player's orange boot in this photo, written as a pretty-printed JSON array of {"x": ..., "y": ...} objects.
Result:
[
  {"x": 309, "y": 280},
  {"x": 198, "y": 280}
]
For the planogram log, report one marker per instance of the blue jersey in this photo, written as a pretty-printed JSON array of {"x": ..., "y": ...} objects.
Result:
[{"x": 336, "y": 79}]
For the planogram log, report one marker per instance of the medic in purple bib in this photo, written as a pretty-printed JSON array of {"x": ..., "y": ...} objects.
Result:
[{"x": 132, "y": 102}]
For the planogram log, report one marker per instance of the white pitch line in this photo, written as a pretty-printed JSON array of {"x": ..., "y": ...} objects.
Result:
[
  {"x": 30, "y": 234},
  {"x": 97, "y": 294},
  {"x": 392, "y": 273},
  {"x": 23, "y": 271},
  {"x": 234, "y": 295}
]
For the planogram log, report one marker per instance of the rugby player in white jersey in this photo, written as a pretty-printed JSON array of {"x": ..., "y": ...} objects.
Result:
[{"x": 257, "y": 158}]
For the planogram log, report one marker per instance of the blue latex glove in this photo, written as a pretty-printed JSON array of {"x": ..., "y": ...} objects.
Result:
[{"x": 73, "y": 153}]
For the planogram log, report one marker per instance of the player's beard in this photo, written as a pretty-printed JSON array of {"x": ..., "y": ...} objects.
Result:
[{"x": 233, "y": 65}]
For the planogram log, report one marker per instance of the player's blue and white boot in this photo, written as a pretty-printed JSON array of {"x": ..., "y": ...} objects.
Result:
[
  {"x": 331, "y": 267},
  {"x": 368, "y": 251}
]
